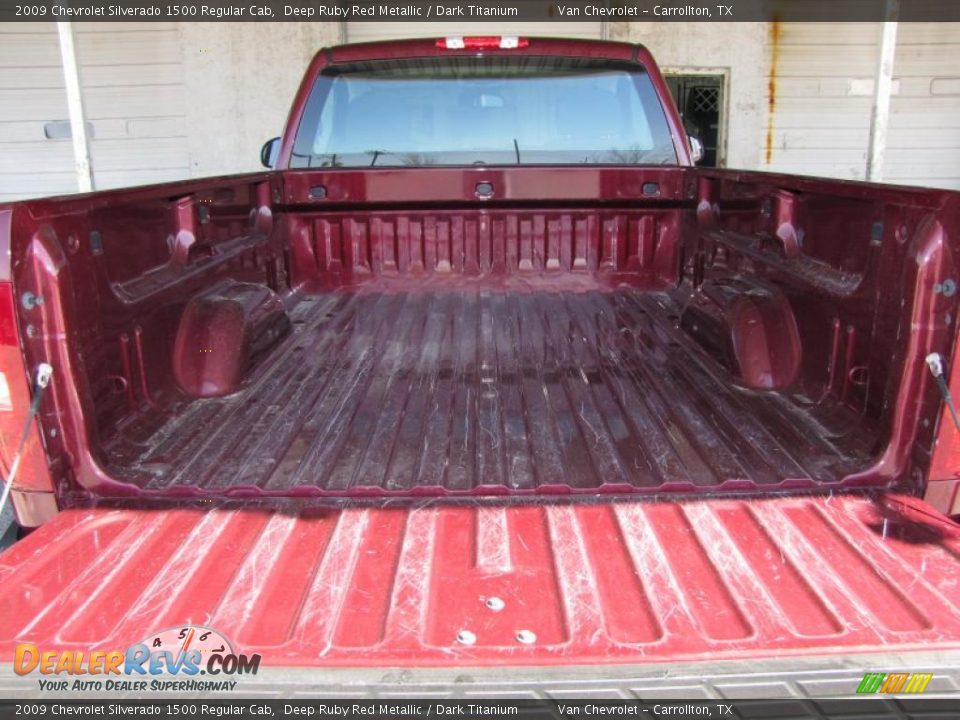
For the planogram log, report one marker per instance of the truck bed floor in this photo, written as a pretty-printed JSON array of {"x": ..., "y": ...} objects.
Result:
[{"x": 444, "y": 390}]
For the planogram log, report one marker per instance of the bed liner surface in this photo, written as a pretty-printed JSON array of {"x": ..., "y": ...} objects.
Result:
[{"x": 519, "y": 389}]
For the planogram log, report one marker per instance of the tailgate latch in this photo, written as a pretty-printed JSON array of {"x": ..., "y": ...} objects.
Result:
[
  {"x": 935, "y": 363},
  {"x": 44, "y": 372}
]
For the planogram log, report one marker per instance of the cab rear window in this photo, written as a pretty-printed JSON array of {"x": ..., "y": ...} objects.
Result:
[{"x": 498, "y": 110}]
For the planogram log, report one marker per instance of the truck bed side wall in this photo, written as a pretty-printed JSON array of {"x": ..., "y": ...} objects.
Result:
[{"x": 860, "y": 270}]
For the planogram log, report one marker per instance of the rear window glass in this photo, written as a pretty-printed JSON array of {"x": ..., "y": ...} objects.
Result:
[{"x": 483, "y": 110}]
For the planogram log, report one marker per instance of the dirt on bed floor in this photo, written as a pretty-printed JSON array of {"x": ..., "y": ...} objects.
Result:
[{"x": 473, "y": 390}]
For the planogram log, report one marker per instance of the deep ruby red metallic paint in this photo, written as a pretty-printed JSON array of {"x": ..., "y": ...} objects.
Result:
[
  {"x": 220, "y": 335},
  {"x": 595, "y": 583},
  {"x": 566, "y": 229},
  {"x": 452, "y": 385},
  {"x": 748, "y": 328}
]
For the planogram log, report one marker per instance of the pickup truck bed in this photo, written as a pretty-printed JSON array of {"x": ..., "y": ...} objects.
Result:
[
  {"x": 342, "y": 410},
  {"x": 430, "y": 386},
  {"x": 420, "y": 345}
]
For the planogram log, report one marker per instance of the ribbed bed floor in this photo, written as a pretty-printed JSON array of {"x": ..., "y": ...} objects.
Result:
[{"x": 484, "y": 391}]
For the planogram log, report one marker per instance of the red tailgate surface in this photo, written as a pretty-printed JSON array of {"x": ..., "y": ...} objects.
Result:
[{"x": 598, "y": 582}]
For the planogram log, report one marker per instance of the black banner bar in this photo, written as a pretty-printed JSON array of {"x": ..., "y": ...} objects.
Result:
[
  {"x": 558, "y": 11},
  {"x": 875, "y": 707}
]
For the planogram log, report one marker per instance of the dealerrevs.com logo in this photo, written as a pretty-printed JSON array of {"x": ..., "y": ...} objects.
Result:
[{"x": 189, "y": 658}]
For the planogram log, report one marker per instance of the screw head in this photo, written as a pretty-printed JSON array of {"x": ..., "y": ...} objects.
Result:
[
  {"x": 30, "y": 301},
  {"x": 526, "y": 637},
  {"x": 495, "y": 604},
  {"x": 465, "y": 637}
]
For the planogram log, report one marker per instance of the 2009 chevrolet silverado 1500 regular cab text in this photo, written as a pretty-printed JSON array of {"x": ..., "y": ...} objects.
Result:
[{"x": 485, "y": 372}]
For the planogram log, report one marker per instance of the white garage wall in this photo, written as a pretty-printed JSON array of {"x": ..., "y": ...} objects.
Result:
[
  {"x": 923, "y": 145},
  {"x": 132, "y": 77},
  {"x": 166, "y": 101},
  {"x": 823, "y": 97},
  {"x": 822, "y": 77},
  {"x": 32, "y": 94},
  {"x": 240, "y": 79},
  {"x": 739, "y": 51},
  {"x": 824, "y": 85},
  {"x": 175, "y": 100}
]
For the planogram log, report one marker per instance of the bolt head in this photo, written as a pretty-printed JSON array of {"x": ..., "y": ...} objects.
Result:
[
  {"x": 526, "y": 637},
  {"x": 496, "y": 604}
]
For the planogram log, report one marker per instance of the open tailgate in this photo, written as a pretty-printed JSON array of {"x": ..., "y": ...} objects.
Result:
[{"x": 572, "y": 583}]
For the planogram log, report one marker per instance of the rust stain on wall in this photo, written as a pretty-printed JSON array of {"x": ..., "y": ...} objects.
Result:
[{"x": 772, "y": 86}]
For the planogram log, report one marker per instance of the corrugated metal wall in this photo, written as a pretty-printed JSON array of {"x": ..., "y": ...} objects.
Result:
[
  {"x": 821, "y": 96},
  {"x": 923, "y": 147},
  {"x": 134, "y": 94},
  {"x": 32, "y": 94},
  {"x": 133, "y": 90}
]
